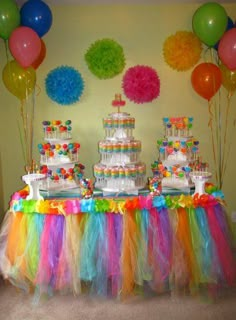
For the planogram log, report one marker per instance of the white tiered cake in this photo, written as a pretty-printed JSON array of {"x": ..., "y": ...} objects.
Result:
[
  {"x": 59, "y": 157},
  {"x": 119, "y": 168},
  {"x": 178, "y": 153}
]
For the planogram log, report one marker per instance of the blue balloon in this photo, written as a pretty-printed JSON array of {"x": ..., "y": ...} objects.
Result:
[
  {"x": 36, "y": 15},
  {"x": 230, "y": 25}
]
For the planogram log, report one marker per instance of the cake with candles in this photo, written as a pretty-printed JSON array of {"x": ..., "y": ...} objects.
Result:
[
  {"x": 59, "y": 156},
  {"x": 178, "y": 153},
  {"x": 119, "y": 169}
]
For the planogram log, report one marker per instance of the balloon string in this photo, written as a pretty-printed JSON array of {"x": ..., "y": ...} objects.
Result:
[
  {"x": 39, "y": 90},
  {"x": 21, "y": 135},
  {"x": 6, "y": 50},
  {"x": 226, "y": 130},
  {"x": 32, "y": 125},
  {"x": 229, "y": 147},
  {"x": 217, "y": 115},
  {"x": 24, "y": 117},
  {"x": 212, "y": 137},
  {"x": 218, "y": 128}
]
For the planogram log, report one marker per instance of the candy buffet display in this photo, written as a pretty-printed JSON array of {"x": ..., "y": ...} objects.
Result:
[
  {"x": 178, "y": 153},
  {"x": 59, "y": 156},
  {"x": 120, "y": 168}
]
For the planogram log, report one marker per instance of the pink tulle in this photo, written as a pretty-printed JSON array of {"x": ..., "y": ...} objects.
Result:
[
  {"x": 114, "y": 250},
  {"x": 222, "y": 245}
]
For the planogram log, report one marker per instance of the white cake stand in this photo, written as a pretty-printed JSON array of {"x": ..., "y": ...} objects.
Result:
[
  {"x": 199, "y": 178},
  {"x": 33, "y": 180}
]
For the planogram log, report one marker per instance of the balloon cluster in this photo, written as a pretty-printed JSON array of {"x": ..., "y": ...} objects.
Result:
[
  {"x": 217, "y": 31},
  {"x": 22, "y": 30}
]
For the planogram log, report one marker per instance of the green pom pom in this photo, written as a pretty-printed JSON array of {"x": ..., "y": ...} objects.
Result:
[{"x": 105, "y": 58}]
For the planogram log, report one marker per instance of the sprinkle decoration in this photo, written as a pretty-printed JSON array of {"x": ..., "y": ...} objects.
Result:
[
  {"x": 64, "y": 85},
  {"x": 182, "y": 50},
  {"x": 105, "y": 58},
  {"x": 141, "y": 84}
]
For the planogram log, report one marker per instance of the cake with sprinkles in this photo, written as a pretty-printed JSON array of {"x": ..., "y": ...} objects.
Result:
[
  {"x": 178, "y": 153},
  {"x": 120, "y": 168},
  {"x": 59, "y": 156}
]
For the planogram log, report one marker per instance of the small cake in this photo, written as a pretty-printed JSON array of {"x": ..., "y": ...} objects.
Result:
[
  {"x": 59, "y": 156},
  {"x": 120, "y": 168},
  {"x": 178, "y": 153}
]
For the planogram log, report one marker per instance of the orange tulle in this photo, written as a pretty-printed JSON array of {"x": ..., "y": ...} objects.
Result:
[
  {"x": 184, "y": 237},
  {"x": 129, "y": 256}
]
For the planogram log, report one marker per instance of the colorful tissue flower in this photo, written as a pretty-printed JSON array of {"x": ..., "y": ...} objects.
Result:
[
  {"x": 105, "y": 58},
  {"x": 182, "y": 50},
  {"x": 64, "y": 85},
  {"x": 141, "y": 84}
]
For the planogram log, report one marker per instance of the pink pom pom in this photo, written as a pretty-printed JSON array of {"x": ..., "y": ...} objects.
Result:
[{"x": 141, "y": 84}]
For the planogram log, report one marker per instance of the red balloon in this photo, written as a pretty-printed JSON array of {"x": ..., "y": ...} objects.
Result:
[
  {"x": 25, "y": 45},
  {"x": 227, "y": 49},
  {"x": 206, "y": 79},
  {"x": 41, "y": 56}
]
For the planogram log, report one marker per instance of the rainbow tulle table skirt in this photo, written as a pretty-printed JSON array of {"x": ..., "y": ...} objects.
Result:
[{"x": 117, "y": 246}]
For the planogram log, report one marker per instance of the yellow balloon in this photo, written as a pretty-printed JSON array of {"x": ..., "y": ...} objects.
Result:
[
  {"x": 19, "y": 81},
  {"x": 228, "y": 78}
]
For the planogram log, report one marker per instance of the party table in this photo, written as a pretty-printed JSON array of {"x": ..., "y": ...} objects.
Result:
[{"x": 117, "y": 246}]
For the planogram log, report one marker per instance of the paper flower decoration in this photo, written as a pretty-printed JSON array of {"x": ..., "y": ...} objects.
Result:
[
  {"x": 182, "y": 50},
  {"x": 141, "y": 84},
  {"x": 64, "y": 85},
  {"x": 105, "y": 58}
]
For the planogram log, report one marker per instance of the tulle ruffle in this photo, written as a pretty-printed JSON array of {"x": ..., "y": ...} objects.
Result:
[{"x": 117, "y": 248}]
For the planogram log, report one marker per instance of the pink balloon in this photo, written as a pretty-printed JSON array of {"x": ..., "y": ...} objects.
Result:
[
  {"x": 227, "y": 49},
  {"x": 25, "y": 45}
]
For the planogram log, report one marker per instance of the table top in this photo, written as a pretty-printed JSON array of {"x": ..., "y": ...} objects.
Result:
[{"x": 75, "y": 193}]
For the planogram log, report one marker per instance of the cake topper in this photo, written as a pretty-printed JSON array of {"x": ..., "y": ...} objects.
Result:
[{"x": 118, "y": 102}]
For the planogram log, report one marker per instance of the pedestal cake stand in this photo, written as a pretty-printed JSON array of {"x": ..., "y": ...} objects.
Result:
[
  {"x": 33, "y": 180},
  {"x": 199, "y": 178}
]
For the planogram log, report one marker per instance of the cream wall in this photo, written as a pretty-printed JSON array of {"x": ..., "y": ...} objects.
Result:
[{"x": 141, "y": 30}]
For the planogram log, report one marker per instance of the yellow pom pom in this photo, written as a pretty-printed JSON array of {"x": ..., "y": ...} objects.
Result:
[{"x": 182, "y": 50}]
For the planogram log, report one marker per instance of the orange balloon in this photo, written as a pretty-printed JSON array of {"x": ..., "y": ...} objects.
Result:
[
  {"x": 228, "y": 79},
  {"x": 206, "y": 79},
  {"x": 41, "y": 56}
]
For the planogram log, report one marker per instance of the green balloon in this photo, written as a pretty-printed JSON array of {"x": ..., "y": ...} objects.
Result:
[
  {"x": 210, "y": 22},
  {"x": 9, "y": 18}
]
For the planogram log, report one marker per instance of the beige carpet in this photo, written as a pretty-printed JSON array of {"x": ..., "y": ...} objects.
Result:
[{"x": 16, "y": 305}]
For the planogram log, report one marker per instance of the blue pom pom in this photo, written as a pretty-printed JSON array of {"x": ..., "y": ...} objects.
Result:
[{"x": 64, "y": 85}]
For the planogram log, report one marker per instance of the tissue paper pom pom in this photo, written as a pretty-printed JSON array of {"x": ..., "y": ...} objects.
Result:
[
  {"x": 141, "y": 84},
  {"x": 105, "y": 58},
  {"x": 182, "y": 50},
  {"x": 64, "y": 85}
]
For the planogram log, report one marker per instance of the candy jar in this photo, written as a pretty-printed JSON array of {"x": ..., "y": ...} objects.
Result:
[{"x": 86, "y": 188}]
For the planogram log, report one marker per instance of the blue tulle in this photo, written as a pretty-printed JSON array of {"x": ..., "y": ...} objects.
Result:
[
  {"x": 93, "y": 266},
  {"x": 207, "y": 257}
]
